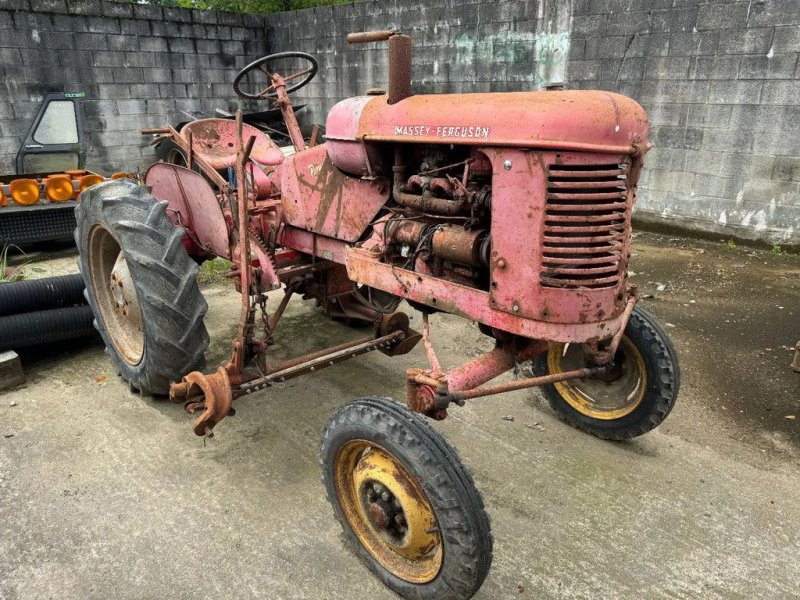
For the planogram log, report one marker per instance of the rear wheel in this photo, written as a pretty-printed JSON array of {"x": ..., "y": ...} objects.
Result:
[
  {"x": 141, "y": 285},
  {"x": 407, "y": 505},
  {"x": 169, "y": 152},
  {"x": 635, "y": 397}
]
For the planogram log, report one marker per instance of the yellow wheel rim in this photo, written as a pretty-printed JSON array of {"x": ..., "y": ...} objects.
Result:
[
  {"x": 611, "y": 398},
  {"x": 388, "y": 511}
]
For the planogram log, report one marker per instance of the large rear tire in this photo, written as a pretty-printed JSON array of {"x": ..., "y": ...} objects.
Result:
[
  {"x": 141, "y": 285},
  {"x": 407, "y": 505}
]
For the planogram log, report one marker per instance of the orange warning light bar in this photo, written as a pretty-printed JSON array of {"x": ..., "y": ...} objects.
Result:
[
  {"x": 59, "y": 188},
  {"x": 24, "y": 191}
]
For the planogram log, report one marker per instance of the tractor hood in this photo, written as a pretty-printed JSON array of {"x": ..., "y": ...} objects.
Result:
[{"x": 594, "y": 121}]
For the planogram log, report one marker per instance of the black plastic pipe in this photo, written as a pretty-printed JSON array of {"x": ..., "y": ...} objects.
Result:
[
  {"x": 45, "y": 327},
  {"x": 40, "y": 294}
]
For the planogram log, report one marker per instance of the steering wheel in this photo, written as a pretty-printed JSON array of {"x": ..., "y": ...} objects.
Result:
[{"x": 263, "y": 65}]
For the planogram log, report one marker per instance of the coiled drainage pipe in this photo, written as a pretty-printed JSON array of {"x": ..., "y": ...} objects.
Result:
[
  {"x": 45, "y": 326},
  {"x": 41, "y": 294}
]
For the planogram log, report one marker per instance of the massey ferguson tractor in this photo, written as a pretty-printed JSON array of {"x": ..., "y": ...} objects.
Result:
[{"x": 512, "y": 210}]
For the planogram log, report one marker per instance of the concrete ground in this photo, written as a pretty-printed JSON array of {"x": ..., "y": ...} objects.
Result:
[{"x": 104, "y": 494}]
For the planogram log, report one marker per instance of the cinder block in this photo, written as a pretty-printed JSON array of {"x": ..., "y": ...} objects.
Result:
[
  {"x": 123, "y": 42},
  {"x": 220, "y": 32},
  {"x": 781, "y": 92},
  {"x": 11, "y": 373},
  {"x": 753, "y": 40},
  {"x": 74, "y": 23},
  {"x": 103, "y": 25},
  {"x": 117, "y": 9},
  {"x": 140, "y": 59},
  {"x": 776, "y": 12},
  {"x": 91, "y": 41},
  {"x": 108, "y": 59},
  {"x": 230, "y": 18},
  {"x": 693, "y": 43},
  {"x": 673, "y": 19},
  {"x": 49, "y": 6},
  {"x": 787, "y": 39},
  {"x": 232, "y": 48},
  {"x": 208, "y": 46},
  {"x": 722, "y": 16},
  {"x": 136, "y": 27},
  {"x": 714, "y": 67},
  {"x": 85, "y": 7},
  {"x": 58, "y": 40},
  {"x": 177, "y": 14},
  {"x": 152, "y": 44},
  {"x": 180, "y": 45},
  {"x": 169, "y": 90},
  {"x": 630, "y": 22},
  {"x": 128, "y": 75},
  {"x": 661, "y": 68},
  {"x": 209, "y": 17},
  {"x": 735, "y": 92},
  {"x": 147, "y": 11},
  {"x": 780, "y": 66}
]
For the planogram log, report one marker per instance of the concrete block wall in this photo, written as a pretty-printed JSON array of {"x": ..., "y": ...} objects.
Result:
[
  {"x": 720, "y": 81},
  {"x": 721, "y": 84},
  {"x": 139, "y": 66},
  {"x": 459, "y": 45}
]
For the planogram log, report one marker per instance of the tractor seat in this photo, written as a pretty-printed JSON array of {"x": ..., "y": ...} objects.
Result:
[{"x": 214, "y": 140}]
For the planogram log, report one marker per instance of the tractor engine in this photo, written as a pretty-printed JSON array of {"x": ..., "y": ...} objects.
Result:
[
  {"x": 441, "y": 224},
  {"x": 527, "y": 199}
]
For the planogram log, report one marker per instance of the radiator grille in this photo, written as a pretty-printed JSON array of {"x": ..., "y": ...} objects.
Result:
[{"x": 586, "y": 223}]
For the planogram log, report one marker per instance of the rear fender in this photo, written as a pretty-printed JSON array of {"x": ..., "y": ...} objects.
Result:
[{"x": 193, "y": 206}]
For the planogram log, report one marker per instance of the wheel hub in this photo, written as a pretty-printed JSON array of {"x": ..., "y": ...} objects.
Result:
[
  {"x": 384, "y": 510},
  {"x": 116, "y": 296},
  {"x": 389, "y": 512},
  {"x": 611, "y": 396}
]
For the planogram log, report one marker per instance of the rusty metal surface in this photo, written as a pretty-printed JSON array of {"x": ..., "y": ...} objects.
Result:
[
  {"x": 566, "y": 264},
  {"x": 192, "y": 205},
  {"x": 365, "y": 267},
  {"x": 364, "y": 37},
  {"x": 214, "y": 140},
  {"x": 522, "y": 384},
  {"x": 579, "y": 120},
  {"x": 456, "y": 244},
  {"x": 320, "y": 198},
  {"x": 313, "y": 244},
  {"x": 399, "y": 68},
  {"x": 209, "y": 395},
  {"x": 319, "y": 360}
]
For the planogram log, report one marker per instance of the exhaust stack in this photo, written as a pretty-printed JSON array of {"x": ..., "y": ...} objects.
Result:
[{"x": 399, "y": 60}]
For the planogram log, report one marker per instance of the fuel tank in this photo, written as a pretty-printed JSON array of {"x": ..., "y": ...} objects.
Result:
[{"x": 572, "y": 120}]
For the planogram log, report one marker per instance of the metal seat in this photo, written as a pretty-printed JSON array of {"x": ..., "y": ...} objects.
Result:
[{"x": 214, "y": 140}]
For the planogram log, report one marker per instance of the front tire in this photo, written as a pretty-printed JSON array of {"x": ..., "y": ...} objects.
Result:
[
  {"x": 407, "y": 505},
  {"x": 141, "y": 285},
  {"x": 637, "y": 396}
]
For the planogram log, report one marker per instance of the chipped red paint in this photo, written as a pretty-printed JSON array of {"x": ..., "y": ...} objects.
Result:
[
  {"x": 192, "y": 205},
  {"x": 215, "y": 141},
  {"x": 598, "y": 121},
  {"x": 318, "y": 197}
]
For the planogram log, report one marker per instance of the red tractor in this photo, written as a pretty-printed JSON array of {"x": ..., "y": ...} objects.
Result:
[{"x": 512, "y": 210}]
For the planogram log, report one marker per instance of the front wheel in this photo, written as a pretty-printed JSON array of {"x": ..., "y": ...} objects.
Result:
[
  {"x": 635, "y": 397},
  {"x": 407, "y": 505}
]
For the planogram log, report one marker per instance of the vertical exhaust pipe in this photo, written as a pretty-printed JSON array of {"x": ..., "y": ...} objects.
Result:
[
  {"x": 399, "y": 60},
  {"x": 399, "y": 68}
]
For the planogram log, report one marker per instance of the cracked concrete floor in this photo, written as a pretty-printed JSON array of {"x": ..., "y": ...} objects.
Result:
[{"x": 104, "y": 494}]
